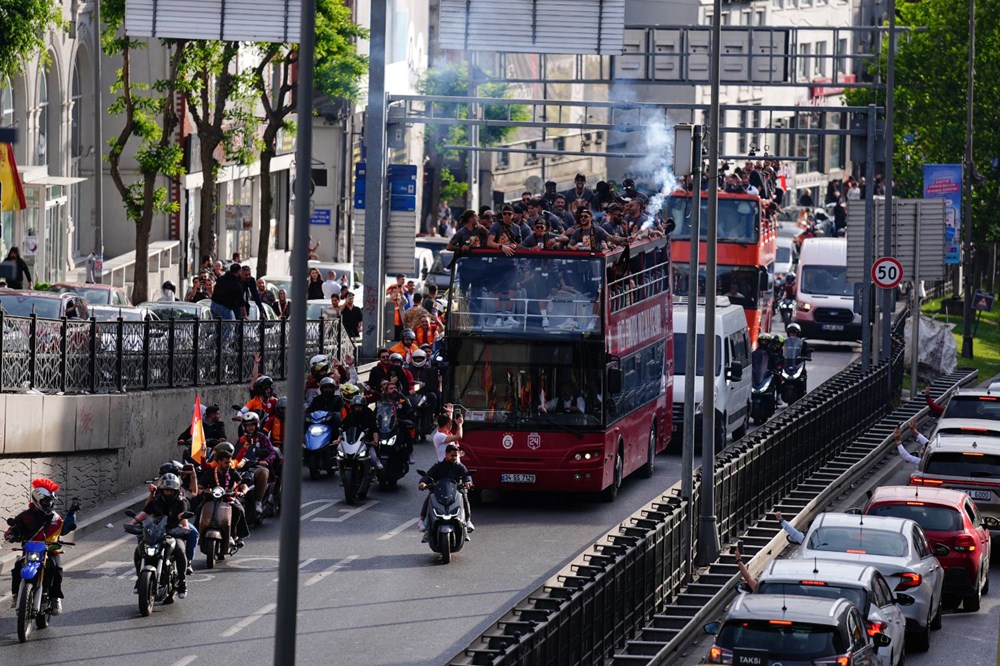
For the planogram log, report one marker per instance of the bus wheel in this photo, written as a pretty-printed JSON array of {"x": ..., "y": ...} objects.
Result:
[
  {"x": 647, "y": 470},
  {"x": 611, "y": 492}
]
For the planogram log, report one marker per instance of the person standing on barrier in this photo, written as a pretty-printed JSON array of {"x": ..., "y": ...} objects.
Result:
[
  {"x": 227, "y": 299},
  {"x": 903, "y": 453}
]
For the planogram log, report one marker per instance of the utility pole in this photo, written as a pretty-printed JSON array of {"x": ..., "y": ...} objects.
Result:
[
  {"x": 98, "y": 151},
  {"x": 890, "y": 81},
  {"x": 969, "y": 173}
]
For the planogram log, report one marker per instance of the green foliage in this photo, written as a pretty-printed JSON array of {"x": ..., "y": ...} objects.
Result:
[
  {"x": 930, "y": 99},
  {"x": 42, "y": 286},
  {"x": 339, "y": 66},
  {"x": 23, "y": 24},
  {"x": 451, "y": 188}
]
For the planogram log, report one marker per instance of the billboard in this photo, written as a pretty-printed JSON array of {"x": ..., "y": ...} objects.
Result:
[{"x": 944, "y": 181}]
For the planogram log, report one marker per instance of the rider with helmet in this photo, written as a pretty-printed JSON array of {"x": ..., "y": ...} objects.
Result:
[
  {"x": 406, "y": 345},
  {"x": 167, "y": 501},
  {"x": 222, "y": 474},
  {"x": 257, "y": 454},
  {"x": 362, "y": 418},
  {"x": 263, "y": 400},
  {"x": 422, "y": 371},
  {"x": 319, "y": 367},
  {"x": 40, "y": 522},
  {"x": 793, "y": 330},
  {"x": 328, "y": 400},
  {"x": 384, "y": 370}
]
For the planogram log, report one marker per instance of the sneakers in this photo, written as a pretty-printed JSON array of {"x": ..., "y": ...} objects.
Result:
[
  {"x": 470, "y": 527},
  {"x": 182, "y": 591},
  {"x": 421, "y": 527},
  {"x": 545, "y": 322},
  {"x": 135, "y": 588},
  {"x": 423, "y": 539},
  {"x": 13, "y": 599},
  {"x": 239, "y": 542},
  {"x": 189, "y": 571},
  {"x": 510, "y": 321},
  {"x": 498, "y": 323},
  {"x": 258, "y": 507},
  {"x": 57, "y": 606}
]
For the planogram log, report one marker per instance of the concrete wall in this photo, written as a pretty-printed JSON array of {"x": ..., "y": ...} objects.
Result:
[{"x": 95, "y": 446}]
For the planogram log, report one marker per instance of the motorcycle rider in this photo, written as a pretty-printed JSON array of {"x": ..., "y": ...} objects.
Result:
[
  {"x": 406, "y": 345},
  {"x": 384, "y": 370},
  {"x": 258, "y": 455},
  {"x": 223, "y": 475},
  {"x": 328, "y": 399},
  {"x": 404, "y": 412},
  {"x": 793, "y": 330},
  {"x": 167, "y": 501},
  {"x": 189, "y": 491},
  {"x": 274, "y": 426},
  {"x": 319, "y": 367},
  {"x": 362, "y": 418},
  {"x": 786, "y": 289},
  {"x": 424, "y": 372},
  {"x": 263, "y": 400},
  {"x": 449, "y": 468},
  {"x": 213, "y": 425},
  {"x": 40, "y": 522}
]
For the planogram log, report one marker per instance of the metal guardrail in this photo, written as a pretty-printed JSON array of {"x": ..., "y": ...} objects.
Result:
[
  {"x": 600, "y": 602},
  {"x": 90, "y": 356}
]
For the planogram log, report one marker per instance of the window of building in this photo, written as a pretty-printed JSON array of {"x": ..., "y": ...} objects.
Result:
[
  {"x": 843, "y": 62},
  {"x": 503, "y": 160},
  {"x": 76, "y": 128},
  {"x": 836, "y": 145},
  {"x": 805, "y": 64},
  {"x": 808, "y": 145},
  {"x": 6, "y": 103},
  {"x": 760, "y": 17},
  {"x": 819, "y": 67},
  {"x": 41, "y": 148}
]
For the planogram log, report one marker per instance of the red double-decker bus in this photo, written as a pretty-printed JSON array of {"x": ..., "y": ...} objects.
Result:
[
  {"x": 561, "y": 362},
  {"x": 748, "y": 244}
]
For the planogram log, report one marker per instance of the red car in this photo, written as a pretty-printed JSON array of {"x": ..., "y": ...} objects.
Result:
[{"x": 948, "y": 517}]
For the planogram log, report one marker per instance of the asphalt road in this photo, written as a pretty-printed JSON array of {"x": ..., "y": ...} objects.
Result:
[{"x": 370, "y": 592}]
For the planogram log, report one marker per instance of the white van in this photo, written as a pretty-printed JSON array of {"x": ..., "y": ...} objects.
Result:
[
  {"x": 732, "y": 370},
  {"x": 824, "y": 305}
]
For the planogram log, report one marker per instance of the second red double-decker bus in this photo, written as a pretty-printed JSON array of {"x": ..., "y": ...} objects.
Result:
[
  {"x": 746, "y": 250},
  {"x": 561, "y": 362}
]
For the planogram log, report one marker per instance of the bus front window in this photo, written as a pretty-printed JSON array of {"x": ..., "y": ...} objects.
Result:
[
  {"x": 738, "y": 219},
  {"x": 738, "y": 283}
]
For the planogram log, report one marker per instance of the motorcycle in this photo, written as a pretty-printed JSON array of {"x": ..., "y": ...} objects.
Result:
[
  {"x": 423, "y": 414},
  {"x": 793, "y": 371},
  {"x": 354, "y": 464},
  {"x": 786, "y": 308},
  {"x": 321, "y": 428},
  {"x": 158, "y": 576},
  {"x": 271, "y": 504},
  {"x": 391, "y": 452},
  {"x": 446, "y": 520},
  {"x": 763, "y": 395},
  {"x": 34, "y": 607},
  {"x": 215, "y": 524}
]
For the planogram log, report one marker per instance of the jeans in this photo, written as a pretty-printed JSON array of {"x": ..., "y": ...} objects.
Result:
[
  {"x": 222, "y": 312},
  {"x": 191, "y": 541}
]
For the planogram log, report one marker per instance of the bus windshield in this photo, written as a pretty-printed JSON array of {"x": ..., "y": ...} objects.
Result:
[
  {"x": 534, "y": 295},
  {"x": 739, "y": 283},
  {"x": 527, "y": 384},
  {"x": 739, "y": 219}
]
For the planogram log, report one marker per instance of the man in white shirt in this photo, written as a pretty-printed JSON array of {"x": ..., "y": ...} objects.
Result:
[
  {"x": 330, "y": 286},
  {"x": 448, "y": 431},
  {"x": 567, "y": 402},
  {"x": 903, "y": 453}
]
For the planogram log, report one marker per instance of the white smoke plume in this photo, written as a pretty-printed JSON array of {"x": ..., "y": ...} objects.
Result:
[{"x": 657, "y": 165}]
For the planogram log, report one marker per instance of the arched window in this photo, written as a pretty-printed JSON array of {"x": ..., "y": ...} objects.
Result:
[
  {"x": 6, "y": 102},
  {"x": 76, "y": 95},
  {"x": 41, "y": 153}
]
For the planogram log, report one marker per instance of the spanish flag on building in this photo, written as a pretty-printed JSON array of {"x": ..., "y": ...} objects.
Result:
[{"x": 10, "y": 181}]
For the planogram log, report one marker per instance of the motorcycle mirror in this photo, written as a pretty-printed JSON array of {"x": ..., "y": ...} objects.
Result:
[
  {"x": 237, "y": 407},
  {"x": 419, "y": 471},
  {"x": 10, "y": 522},
  {"x": 187, "y": 514},
  {"x": 130, "y": 513}
]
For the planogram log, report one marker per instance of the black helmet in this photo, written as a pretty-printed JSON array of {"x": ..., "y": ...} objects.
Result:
[
  {"x": 262, "y": 384},
  {"x": 171, "y": 467},
  {"x": 793, "y": 328},
  {"x": 224, "y": 449},
  {"x": 358, "y": 401},
  {"x": 327, "y": 381},
  {"x": 408, "y": 336}
]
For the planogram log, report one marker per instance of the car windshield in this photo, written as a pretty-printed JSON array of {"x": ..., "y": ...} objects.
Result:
[
  {"x": 973, "y": 407},
  {"x": 94, "y": 296},
  {"x": 529, "y": 383},
  {"x": 782, "y": 639},
  {"x": 856, "y": 595},
  {"x": 930, "y": 517},
  {"x": 22, "y": 306},
  {"x": 825, "y": 281},
  {"x": 166, "y": 312},
  {"x": 963, "y": 463},
  {"x": 784, "y": 256},
  {"x": 537, "y": 295},
  {"x": 112, "y": 314},
  {"x": 738, "y": 283},
  {"x": 858, "y": 540},
  {"x": 738, "y": 219},
  {"x": 680, "y": 355}
]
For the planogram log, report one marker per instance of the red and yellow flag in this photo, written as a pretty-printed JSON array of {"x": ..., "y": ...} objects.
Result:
[
  {"x": 197, "y": 432},
  {"x": 10, "y": 181}
]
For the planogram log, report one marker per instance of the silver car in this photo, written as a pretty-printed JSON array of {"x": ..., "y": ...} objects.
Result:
[{"x": 896, "y": 547}]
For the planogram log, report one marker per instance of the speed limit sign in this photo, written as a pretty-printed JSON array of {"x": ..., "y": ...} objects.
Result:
[{"x": 887, "y": 272}]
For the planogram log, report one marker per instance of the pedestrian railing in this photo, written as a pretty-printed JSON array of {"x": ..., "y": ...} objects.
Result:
[{"x": 89, "y": 356}]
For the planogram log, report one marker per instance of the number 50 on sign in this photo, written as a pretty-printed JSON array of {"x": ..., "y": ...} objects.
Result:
[{"x": 887, "y": 272}]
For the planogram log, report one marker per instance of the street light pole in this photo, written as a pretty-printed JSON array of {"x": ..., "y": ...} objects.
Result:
[
  {"x": 98, "y": 151},
  {"x": 969, "y": 170},
  {"x": 890, "y": 81}
]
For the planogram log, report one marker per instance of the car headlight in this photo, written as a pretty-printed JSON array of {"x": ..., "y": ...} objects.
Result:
[{"x": 805, "y": 307}]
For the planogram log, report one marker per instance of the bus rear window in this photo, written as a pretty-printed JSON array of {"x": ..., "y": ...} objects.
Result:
[{"x": 967, "y": 464}]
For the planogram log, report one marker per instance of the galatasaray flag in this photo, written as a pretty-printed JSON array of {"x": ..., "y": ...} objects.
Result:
[
  {"x": 197, "y": 432},
  {"x": 10, "y": 181}
]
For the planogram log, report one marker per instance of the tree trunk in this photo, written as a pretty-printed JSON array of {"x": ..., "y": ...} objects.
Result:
[
  {"x": 209, "y": 196},
  {"x": 436, "y": 162},
  {"x": 143, "y": 227},
  {"x": 266, "y": 201}
]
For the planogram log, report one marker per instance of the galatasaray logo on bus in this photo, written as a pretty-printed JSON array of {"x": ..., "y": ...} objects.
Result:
[
  {"x": 507, "y": 441},
  {"x": 534, "y": 441}
]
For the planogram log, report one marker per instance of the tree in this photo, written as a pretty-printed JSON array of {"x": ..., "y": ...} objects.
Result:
[
  {"x": 453, "y": 81},
  {"x": 339, "y": 68},
  {"x": 218, "y": 98},
  {"x": 150, "y": 120},
  {"x": 23, "y": 24},
  {"x": 930, "y": 103}
]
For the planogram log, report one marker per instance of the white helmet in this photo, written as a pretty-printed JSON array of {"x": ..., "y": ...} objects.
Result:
[
  {"x": 419, "y": 358},
  {"x": 169, "y": 482},
  {"x": 43, "y": 499},
  {"x": 251, "y": 417}
]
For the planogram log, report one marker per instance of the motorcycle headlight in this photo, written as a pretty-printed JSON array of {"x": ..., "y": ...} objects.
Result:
[
  {"x": 33, "y": 557},
  {"x": 340, "y": 452},
  {"x": 150, "y": 551},
  {"x": 390, "y": 442},
  {"x": 315, "y": 430}
]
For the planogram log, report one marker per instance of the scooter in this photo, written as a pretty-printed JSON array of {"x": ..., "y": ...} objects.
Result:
[
  {"x": 271, "y": 504},
  {"x": 355, "y": 465},
  {"x": 216, "y": 525},
  {"x": 321, "y": 430},
  {"x": 34, "y": 607},
  {"x": 786, "y": 308},
  {"x": 391, "y": 452},
  {"x": 446, "y": 520},
  {"x": 763, "y": 397},
  {"x": 793, "y": 371},
  {"x": 158, "y": 575}
]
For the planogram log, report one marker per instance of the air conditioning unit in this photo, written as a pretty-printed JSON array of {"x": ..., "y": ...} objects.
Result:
[{"x": 599, "y": 138}]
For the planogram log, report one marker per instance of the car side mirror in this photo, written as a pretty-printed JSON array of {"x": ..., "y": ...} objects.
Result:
[
  {"x": 904, "y": 599},
  {"x": 854, "y": 511},
  {"x": 130, "y": 513},
  {"x": 735, "y": 372},
  {"x": 614, "y": 381},
  {"x": 941, "y": 550},
  {"x": 991, "y": 522},
  {"x": 881, "y": 640},
  {"x": 712, "y": 628}
]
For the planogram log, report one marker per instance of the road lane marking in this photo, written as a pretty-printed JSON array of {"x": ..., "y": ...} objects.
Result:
[
  {"x": 247, "y": 621},
  {"x": 302, "y": 566},
  {"x": 185, "y": 661},
  {"x": 73, "y": 563},
  {"x": 402, "y": 528},
  {"x": 336, "y": 567},
  {"x": 347, "y": 513},
  {"x": 326, "y": 505},
  {"x": 112, "y": 569}
]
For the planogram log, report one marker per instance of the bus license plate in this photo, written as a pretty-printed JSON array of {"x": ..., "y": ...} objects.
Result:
[
  {"x": 833, "y": 327},
  {"x": 517, "y": 478},
  {"x": 984, "y": 495}
]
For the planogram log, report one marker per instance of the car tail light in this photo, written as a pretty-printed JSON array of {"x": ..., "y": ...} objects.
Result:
[
  {"x": 908, "y": 580},
  {"x": 921, "y": 481},
  {"x": 715, "y": 655},
  {"x": 965, "y": 544},
  {"x": 875, "y": 627},
  {"x": 811, "y": 582},
  {"x": 834, "y": 661}
]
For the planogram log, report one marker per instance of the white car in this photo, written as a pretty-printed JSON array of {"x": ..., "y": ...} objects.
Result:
[
  {"x": 896, "y": 547},
  {"x": 861, "y": 584}
]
